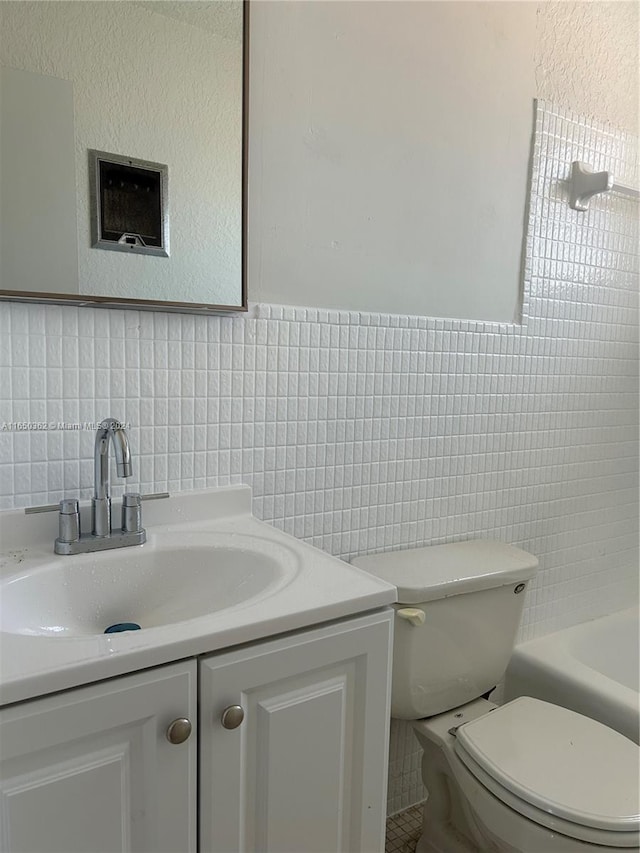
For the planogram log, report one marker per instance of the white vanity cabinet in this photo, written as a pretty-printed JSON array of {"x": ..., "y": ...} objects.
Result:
[
  {"x": 91, "y": 770},
  {"x": 306, "y": 769}
]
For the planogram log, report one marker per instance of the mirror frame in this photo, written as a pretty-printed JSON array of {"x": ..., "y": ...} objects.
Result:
[{"x": 167, "y": 305}]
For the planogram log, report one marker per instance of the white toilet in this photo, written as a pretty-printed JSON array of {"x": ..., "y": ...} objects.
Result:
[{"x": 524, "y": 777}]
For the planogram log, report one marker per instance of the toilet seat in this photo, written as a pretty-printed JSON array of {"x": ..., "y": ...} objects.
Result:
[
  {"x": 600, "y": 838},
  {"x": 557, "y": 768}
]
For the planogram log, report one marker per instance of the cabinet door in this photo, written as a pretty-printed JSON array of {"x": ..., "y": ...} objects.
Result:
[
  {"x": 91, "y": 770},
  {"x": 306, "y": 770}
]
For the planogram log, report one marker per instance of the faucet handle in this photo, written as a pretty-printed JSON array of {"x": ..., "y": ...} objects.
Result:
[
  {"x": 131, "y": 512},
  {"x": 69, "y": 530}
]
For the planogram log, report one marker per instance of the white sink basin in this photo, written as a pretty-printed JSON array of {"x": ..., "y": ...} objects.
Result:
[
  {"x": 170, "y": 579},
  {"x": 210, "y": 577}
]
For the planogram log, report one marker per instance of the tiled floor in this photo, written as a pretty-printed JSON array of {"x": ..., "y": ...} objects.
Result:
[{"x": 403, "y": 830}]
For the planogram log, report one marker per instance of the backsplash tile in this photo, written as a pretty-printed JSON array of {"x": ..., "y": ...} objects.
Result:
[{"x": 363, "y": 432}]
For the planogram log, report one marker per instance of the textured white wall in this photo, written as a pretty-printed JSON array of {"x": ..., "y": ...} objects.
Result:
[
  {"x": 586, "y": 58},
  {"x": 156, "y": 89}
]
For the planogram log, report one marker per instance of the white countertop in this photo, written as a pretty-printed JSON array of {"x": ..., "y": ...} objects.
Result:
[{"x": 322, "y": 588}]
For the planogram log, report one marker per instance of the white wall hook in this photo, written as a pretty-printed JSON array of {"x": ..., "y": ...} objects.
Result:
[
  {"x": 412, "y": 614},
  {"x": 586, "y": 183}
]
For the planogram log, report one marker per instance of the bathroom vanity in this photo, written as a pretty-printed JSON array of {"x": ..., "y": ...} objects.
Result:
[{"x": 261, "y": 725}]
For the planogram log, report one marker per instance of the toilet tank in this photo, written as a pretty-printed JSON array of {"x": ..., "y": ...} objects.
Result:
[{"x": 458, "y": 612}]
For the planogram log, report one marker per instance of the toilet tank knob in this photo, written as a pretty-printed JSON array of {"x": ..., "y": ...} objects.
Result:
[{"x": 412, "y": 614}]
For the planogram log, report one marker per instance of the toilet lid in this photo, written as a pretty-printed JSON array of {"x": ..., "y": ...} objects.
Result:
[
  {"x": 438, "y": 571},
  {"x": 559, "y": 761}
]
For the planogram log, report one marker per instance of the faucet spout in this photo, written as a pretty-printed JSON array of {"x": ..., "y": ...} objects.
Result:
[{"x": 109, "y": 432}]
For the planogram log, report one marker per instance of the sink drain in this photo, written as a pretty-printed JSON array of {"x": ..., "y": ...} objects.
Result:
[{"x": 122, "y": 626}]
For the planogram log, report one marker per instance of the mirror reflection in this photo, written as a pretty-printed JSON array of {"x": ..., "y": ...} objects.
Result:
[{"x": 141, "y": 82}]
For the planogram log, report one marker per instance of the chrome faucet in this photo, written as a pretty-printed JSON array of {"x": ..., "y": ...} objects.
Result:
[
  {"x": 103, "y": 537},
  {"x": 108, "y": 431}
]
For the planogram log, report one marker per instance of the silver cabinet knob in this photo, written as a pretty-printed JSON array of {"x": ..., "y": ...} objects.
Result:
[
  {"x": 232, "y": 716},
  {"x": 179, "y": 730}
]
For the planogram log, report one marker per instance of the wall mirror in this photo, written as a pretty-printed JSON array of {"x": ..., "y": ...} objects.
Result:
[{"x": 159, "y": 83}]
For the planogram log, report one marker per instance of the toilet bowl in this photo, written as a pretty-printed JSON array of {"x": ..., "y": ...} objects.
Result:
[
  {"x": 524, "y": 777},
  {"x": 484, "y": 786}
]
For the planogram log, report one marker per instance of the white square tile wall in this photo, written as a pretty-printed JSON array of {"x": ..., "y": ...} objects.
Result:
[{"x": 362, "y": 432}]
